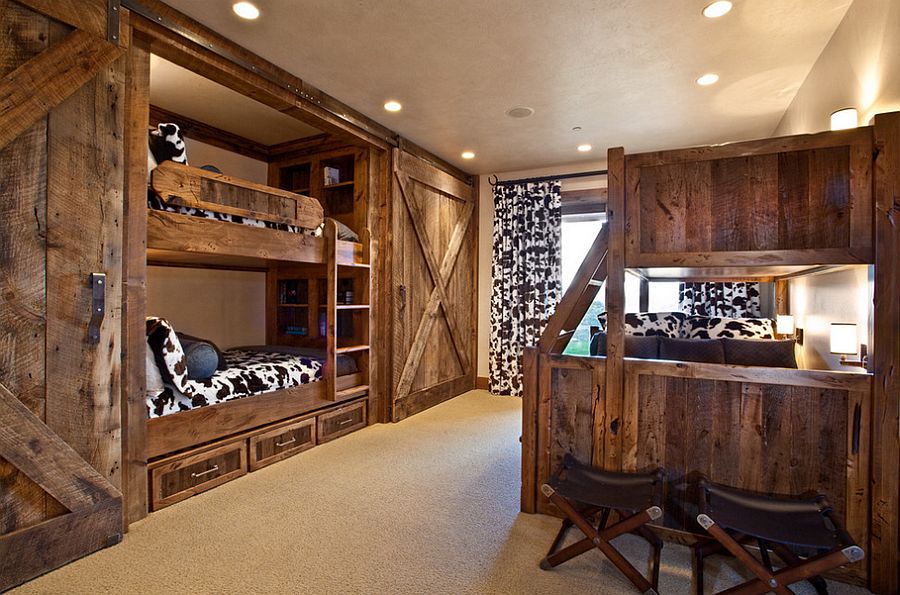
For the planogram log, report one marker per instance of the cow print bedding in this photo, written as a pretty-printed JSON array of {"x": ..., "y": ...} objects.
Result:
[
  {"x": 249, "y": 373},
  {"x": 675, "y": 325},
  {"x": 648, "y": 324}
]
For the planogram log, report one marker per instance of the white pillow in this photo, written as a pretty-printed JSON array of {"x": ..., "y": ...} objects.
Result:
[{"x": 154, "y": 382}]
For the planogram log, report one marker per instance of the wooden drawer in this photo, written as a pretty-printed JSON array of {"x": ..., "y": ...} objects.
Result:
[
  {"x": 343, "y": 420},
  {"x": 279, "y": 443},
  {"x": 182, "y": 476}
]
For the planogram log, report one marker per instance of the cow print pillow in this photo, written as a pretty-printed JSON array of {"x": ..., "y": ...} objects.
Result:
[
  {"x": 168, "y": 353},
  {"x": 167, "y": 144},
  {"x": 702, "y": 327},
  {"x": 648, "y": 324}
]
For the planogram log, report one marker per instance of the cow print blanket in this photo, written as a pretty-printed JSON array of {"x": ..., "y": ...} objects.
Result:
[
  {"x": 249, "y": 373},
  {"x": 156, "y": 203}
]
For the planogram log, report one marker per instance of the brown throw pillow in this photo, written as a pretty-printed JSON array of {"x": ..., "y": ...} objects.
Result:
[
  {"x": 709, "y": 351},
  {"x": 760, "y": 352}
]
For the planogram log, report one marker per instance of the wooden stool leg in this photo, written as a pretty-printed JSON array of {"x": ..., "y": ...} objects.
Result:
[
  {"x": 791, "y": 559},
  {"x": 656, "y": 545},
  {"x": 697, "y": 569},
  {"x": 765, "y": 579}
]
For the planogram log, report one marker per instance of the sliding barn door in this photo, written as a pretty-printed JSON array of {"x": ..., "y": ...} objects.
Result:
[
  {"x": 61, "y": 179},
  {"x": 434, "y": 252}
]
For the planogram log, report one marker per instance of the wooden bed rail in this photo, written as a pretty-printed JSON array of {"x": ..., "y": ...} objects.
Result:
[{"x": 186, "y": 186}]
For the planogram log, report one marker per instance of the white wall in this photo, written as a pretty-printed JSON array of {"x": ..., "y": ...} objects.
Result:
[
  {"x": 485, "y": 238},
  {"x": 226, "y": 307},
  {"x": 860, "y": 67},
  {"x": 231, "y": 164},
  {"x": 818, "y": 300}
]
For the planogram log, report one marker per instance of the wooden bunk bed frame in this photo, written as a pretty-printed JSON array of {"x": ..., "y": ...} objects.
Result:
[
  {"x": 175, "y": 238},
  {"x": 770, "y": 209}
]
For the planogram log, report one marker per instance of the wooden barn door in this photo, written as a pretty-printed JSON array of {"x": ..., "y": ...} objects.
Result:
[
  {"x": 434, "y": 252},
  {"x": 61, "y": 180}
]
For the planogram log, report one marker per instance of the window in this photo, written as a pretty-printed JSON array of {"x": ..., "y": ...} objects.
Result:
[{"x": 578, "y": 233}]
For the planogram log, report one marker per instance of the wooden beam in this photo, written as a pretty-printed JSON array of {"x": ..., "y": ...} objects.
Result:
[
  {"x": 607, "y": 450},
  {"x": 31, "y": 447},
  {"x": 31, "y": 552},
  {"x": 425, "y": 155},
  {"x": 579, "y": 202},
  {"x": 885, "y": 360},
  {"x": 204, "y": 133},
  {"x": 29, "y": 92}
]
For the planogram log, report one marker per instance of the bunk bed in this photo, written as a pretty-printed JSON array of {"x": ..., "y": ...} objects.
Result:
[
  {"x": 772, "y": 210},
  {"x": 228, "y": 425}
]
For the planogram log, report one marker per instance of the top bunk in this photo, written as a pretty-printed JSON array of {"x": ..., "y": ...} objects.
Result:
[
  {"x": 759, "y": 208},
  {"x": 205, "y": 218}
]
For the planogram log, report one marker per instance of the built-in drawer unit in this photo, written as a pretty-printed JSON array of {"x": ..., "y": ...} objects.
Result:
[
  {"x": 181, "y": 476},
  {"x": 342, "y": 420},
  {"x": 275, "y": 444}
]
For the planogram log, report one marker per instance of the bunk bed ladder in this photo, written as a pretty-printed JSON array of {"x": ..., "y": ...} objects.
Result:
[{"x": 578, "y": 298}]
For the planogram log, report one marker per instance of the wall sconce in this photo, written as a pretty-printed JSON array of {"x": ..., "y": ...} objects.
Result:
[
  {"x": 844, "y": 118},
  {"x": 784, "y": 326},
  {"x": 844, "y": 341}
]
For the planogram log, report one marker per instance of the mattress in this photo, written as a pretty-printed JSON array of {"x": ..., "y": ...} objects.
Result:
[
  {"x": 156, "y": 203},
  {"x": 250, "y": 372}
]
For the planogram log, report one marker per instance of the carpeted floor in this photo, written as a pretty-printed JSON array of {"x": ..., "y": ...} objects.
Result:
[{"x": 429, "y": 505}]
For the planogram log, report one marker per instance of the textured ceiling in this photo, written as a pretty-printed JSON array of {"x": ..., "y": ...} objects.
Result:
[{"x": 623, "y": 71}]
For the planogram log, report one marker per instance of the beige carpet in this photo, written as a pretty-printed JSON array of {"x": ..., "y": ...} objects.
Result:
[{"x": 429, "y": 505}]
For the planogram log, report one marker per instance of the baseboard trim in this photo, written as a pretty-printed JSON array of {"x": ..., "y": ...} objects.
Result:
[{"x": 482, "y": 382}]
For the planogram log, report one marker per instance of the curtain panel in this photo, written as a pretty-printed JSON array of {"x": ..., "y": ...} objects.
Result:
[
  {"x": 527, "y": 275},
  {"x": 725, "y": 300}
]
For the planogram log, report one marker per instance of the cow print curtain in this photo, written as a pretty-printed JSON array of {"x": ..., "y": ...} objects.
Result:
[
  {"x": 527, "y": 275},
  {"x": 727, "y": 300}
]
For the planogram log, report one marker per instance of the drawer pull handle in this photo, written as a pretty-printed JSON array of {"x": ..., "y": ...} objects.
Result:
[
  {"x": 207, "y": 472},
  {"x": 346, "y": 421},
  {"x": 286, "y": 442}
]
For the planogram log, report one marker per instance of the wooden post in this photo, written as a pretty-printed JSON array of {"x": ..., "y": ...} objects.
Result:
[
  {"x": 134, "y": 274},
  {"x": 607, "y": 452},
  {"x": 330, "y": 371},
  {"x": 530, "y": 370},
  {"x": 886, "y": 360},
  {"x": 782, "y": 296}
]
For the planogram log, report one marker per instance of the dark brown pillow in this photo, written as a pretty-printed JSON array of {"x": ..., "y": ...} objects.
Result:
[
  {"x": 635, "y": 346},
  {"x": 760, "y": 352},
  {"x": 710, "y": 351}
]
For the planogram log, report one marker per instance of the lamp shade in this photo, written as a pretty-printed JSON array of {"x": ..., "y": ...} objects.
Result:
[
  {"x": 784, "y": 324},
  {"x": 844, "y": 119},
  {"x": 843, "y": 338}
]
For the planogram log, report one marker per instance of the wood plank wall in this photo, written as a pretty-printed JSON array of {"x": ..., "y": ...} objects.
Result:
[{"x": 807, "y": 199}]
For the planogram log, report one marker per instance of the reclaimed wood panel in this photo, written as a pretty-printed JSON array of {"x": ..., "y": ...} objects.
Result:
[
  {"x": 770, "y": 203},
  {"x": 84, "y": 235},
  {"x": 23, "y": 224},
  {"x": 766, "y": 437}
]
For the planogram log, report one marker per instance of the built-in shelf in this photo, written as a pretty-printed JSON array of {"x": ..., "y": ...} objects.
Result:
[
  {"x": 339, "y": 185},
  {"x": 357, "y": 265},
  {"x": 352, "y": 306},
  {"x": 300, "y": 190},
  {"x": 351, "y": 348},
  {"x": 353, "y": 391},
  {"x": 293, "y": 305}
]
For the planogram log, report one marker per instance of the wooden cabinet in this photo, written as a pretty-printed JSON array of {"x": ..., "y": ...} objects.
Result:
[
  {"x": 281, "y": 442},
  {"x": 343, "y": 420},
  {"x": 176, "y": 478}
]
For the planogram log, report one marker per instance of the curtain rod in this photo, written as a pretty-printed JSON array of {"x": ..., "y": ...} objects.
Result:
[{"x": 583, "y": 174}]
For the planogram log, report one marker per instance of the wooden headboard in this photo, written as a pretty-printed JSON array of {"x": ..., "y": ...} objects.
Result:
[{"x": 186, "y": 186}]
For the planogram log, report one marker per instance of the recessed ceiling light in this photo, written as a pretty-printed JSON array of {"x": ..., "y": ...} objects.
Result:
[
  {"x": 468, "y": 155},
  {"x": 245, "y": 10},
  {"x": 708, "y": 79},
  {"x": 576, "y": 128},
  {"x": 844, "y": 119},
  {"x": 520, "y": 111},
  {"x": 717, "y": 9},
  {"x": 584, "y": 148},
  {"x": 393, "y": 106}
]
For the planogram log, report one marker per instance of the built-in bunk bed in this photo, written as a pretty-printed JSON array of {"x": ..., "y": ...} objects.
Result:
[
  {"x": 777, "y": 210},
  {"x": 253, "y": 405}
]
